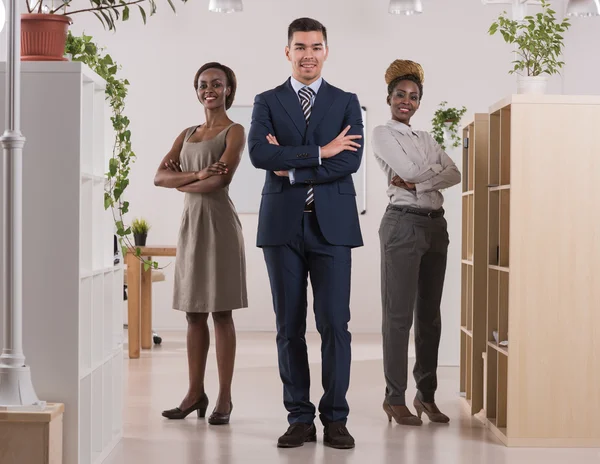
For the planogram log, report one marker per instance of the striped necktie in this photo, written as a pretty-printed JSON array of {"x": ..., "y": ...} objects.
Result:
[{"x": 306, "y": 94}]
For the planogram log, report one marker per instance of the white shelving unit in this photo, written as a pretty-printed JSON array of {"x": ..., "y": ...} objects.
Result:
[{"x": 72, "y": 292}]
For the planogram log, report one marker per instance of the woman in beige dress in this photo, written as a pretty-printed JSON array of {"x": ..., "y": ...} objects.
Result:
[{"x": 210, "y": 269}]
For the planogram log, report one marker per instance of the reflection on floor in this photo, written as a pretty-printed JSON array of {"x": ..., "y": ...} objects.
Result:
[{"x": 158, "y": 381}]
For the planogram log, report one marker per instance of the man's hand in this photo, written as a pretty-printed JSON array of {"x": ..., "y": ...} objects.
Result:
[
  {"x": 273, "y": 141},
  {"x": 397, "y": 181},
  {"x": 341, "y": 143}
]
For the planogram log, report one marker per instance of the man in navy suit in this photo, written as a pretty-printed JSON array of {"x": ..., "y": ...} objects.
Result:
[{"x": 304, "y": 134}]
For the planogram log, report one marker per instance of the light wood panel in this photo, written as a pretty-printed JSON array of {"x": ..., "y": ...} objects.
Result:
[{"x": 544, "y": 287}]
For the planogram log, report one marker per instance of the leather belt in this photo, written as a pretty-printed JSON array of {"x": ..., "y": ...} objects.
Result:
[{"x": 419, "y": 212}]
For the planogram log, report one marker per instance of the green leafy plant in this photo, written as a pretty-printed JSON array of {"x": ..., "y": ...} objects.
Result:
[
  {"x": 108, "y": 12},
  {"x": 83, "y": 49},
  {"x": 538, "y": 38},
  {"x": 447, "y": 119},
  {"x": 140, "y": 226}
]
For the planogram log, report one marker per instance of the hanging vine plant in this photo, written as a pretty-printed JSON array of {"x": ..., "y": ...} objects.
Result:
[
  {"x": 445, "y": 125},
  {"x": 83, "y": 49}
]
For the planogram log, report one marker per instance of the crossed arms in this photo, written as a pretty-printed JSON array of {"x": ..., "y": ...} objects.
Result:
[
  {"x": 209, "y": 179},
  {"x": 409, "y": 175},
  {"x": 339, "y": 158}
]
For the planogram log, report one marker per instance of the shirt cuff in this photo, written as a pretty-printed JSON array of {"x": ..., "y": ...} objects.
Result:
[
  {"x": 319, "y": 156},
  {"x": 291, "y": 174},
  {"x": 423, "y": 187}
]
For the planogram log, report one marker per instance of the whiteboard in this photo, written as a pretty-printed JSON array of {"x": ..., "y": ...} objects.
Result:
[{"x": 246, "y": 188}]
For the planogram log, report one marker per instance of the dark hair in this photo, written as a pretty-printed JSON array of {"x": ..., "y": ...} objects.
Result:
[
  {"x": 306, "y": 25},
  {"x": 229, "y": 74},
  {"x": 408, "y": 77}
]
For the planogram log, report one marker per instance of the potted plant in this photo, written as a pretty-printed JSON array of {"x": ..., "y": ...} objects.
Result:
[
  {"x": 140, "y": 228},
  {"x": 539, "y": 43},
  {"x": 44, "y": 28},
  {"x": 445, "y": 125}
]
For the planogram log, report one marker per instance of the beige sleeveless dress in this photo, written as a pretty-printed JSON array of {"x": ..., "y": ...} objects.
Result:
[{"x": 210, "y": 268}]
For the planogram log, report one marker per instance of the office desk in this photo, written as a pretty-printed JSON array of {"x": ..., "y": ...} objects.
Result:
[{"x": 139, "y": 297}]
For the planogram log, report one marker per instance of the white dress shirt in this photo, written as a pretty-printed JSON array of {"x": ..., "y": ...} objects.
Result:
[{"x": 416, "y": 158}]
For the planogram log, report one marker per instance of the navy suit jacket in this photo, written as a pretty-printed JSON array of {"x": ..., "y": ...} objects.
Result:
[{"x": 278, "y": 112}]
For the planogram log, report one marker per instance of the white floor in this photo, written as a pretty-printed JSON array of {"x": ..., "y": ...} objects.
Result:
[{"x": 158, "y": 381}]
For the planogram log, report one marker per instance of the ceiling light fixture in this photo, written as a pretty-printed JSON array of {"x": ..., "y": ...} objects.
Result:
[
  {"x": 405, "y": 7},
  {"x": 583, "y": 8},
  {"x": 225, "y": 6}
]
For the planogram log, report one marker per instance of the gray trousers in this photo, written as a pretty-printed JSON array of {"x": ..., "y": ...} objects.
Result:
[{"x": 413, "y": 266}]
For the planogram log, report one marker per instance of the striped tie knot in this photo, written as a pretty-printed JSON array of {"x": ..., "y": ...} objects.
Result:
[{"x": 306, "y": 94}]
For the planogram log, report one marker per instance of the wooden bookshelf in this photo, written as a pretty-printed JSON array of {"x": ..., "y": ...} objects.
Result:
[
  {"x": 474, "y": 261},
  {"x": 543, "y": 289}
]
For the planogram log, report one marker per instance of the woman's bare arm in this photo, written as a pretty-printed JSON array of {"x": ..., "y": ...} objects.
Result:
[{"x": 170, "y": 178}]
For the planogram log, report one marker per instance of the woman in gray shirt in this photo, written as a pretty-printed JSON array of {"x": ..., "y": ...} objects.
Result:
[{"x": 414, "y": 244}]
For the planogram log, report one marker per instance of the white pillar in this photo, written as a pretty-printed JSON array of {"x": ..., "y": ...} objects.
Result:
[{"x": 16, "y": 388}]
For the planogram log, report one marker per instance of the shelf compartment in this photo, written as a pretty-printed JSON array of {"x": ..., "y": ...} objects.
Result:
[
  {"x": 491, "y": 391},
  {"x": 87, "y": 128},
  {"x": 97, "y": 212},
  {"x": 107, "y": 399},
  {"x": 117, "y": 323},
  {"x": 501, "y": 412},
  {"x": 85, "y": 324},
  {"x": 97, "y": 319},
  {"x": 463, "y": 362},
  {"x": 85, "y": 420},
  {"x": 492, "y": 303},
  {"x": 86, "y": 232},
  {"x": 469, "y": 321},
  {"x": 108, "y": 313},
  {"x": 466, "y": 166},
  {"x": 117, "y": 366},
  {"x": 99, "y": 149},
  {"x": 503, "y": 279},
  {"x": 504, "y": 228},
  {"x": 494, "y": 228},
  {"x": 465, "y": 222},
  {"x": 505, "y": 131},
  {"x": 465, "y": 295},
  {"x": 466, "y": 366},
  {"x": 471, "y": 158},
  {"x": 470, "y": 227},
  {"x": 97, "y": 418},
  {"x": 494, "y": 150}
]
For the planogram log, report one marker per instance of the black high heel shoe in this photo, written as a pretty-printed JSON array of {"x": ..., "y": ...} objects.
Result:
[
  {"x": 219, "y": 418},
  {"x": 199, "y": 406}
]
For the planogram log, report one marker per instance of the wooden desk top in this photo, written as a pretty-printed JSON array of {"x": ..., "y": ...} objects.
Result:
[{"x": 156, "y": 250}]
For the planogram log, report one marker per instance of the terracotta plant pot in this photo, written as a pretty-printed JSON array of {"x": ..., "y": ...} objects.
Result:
[{"x": 43, "y": 37}]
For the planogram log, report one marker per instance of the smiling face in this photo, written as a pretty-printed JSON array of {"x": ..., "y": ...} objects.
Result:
[
  {"x": 212, "y": 88},
  {"x": 307, "y": 51},
  {"x": 404, "y": 101}
]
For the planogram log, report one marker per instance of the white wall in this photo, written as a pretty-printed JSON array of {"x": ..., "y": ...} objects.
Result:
[{"x": 462, "y": 65}]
